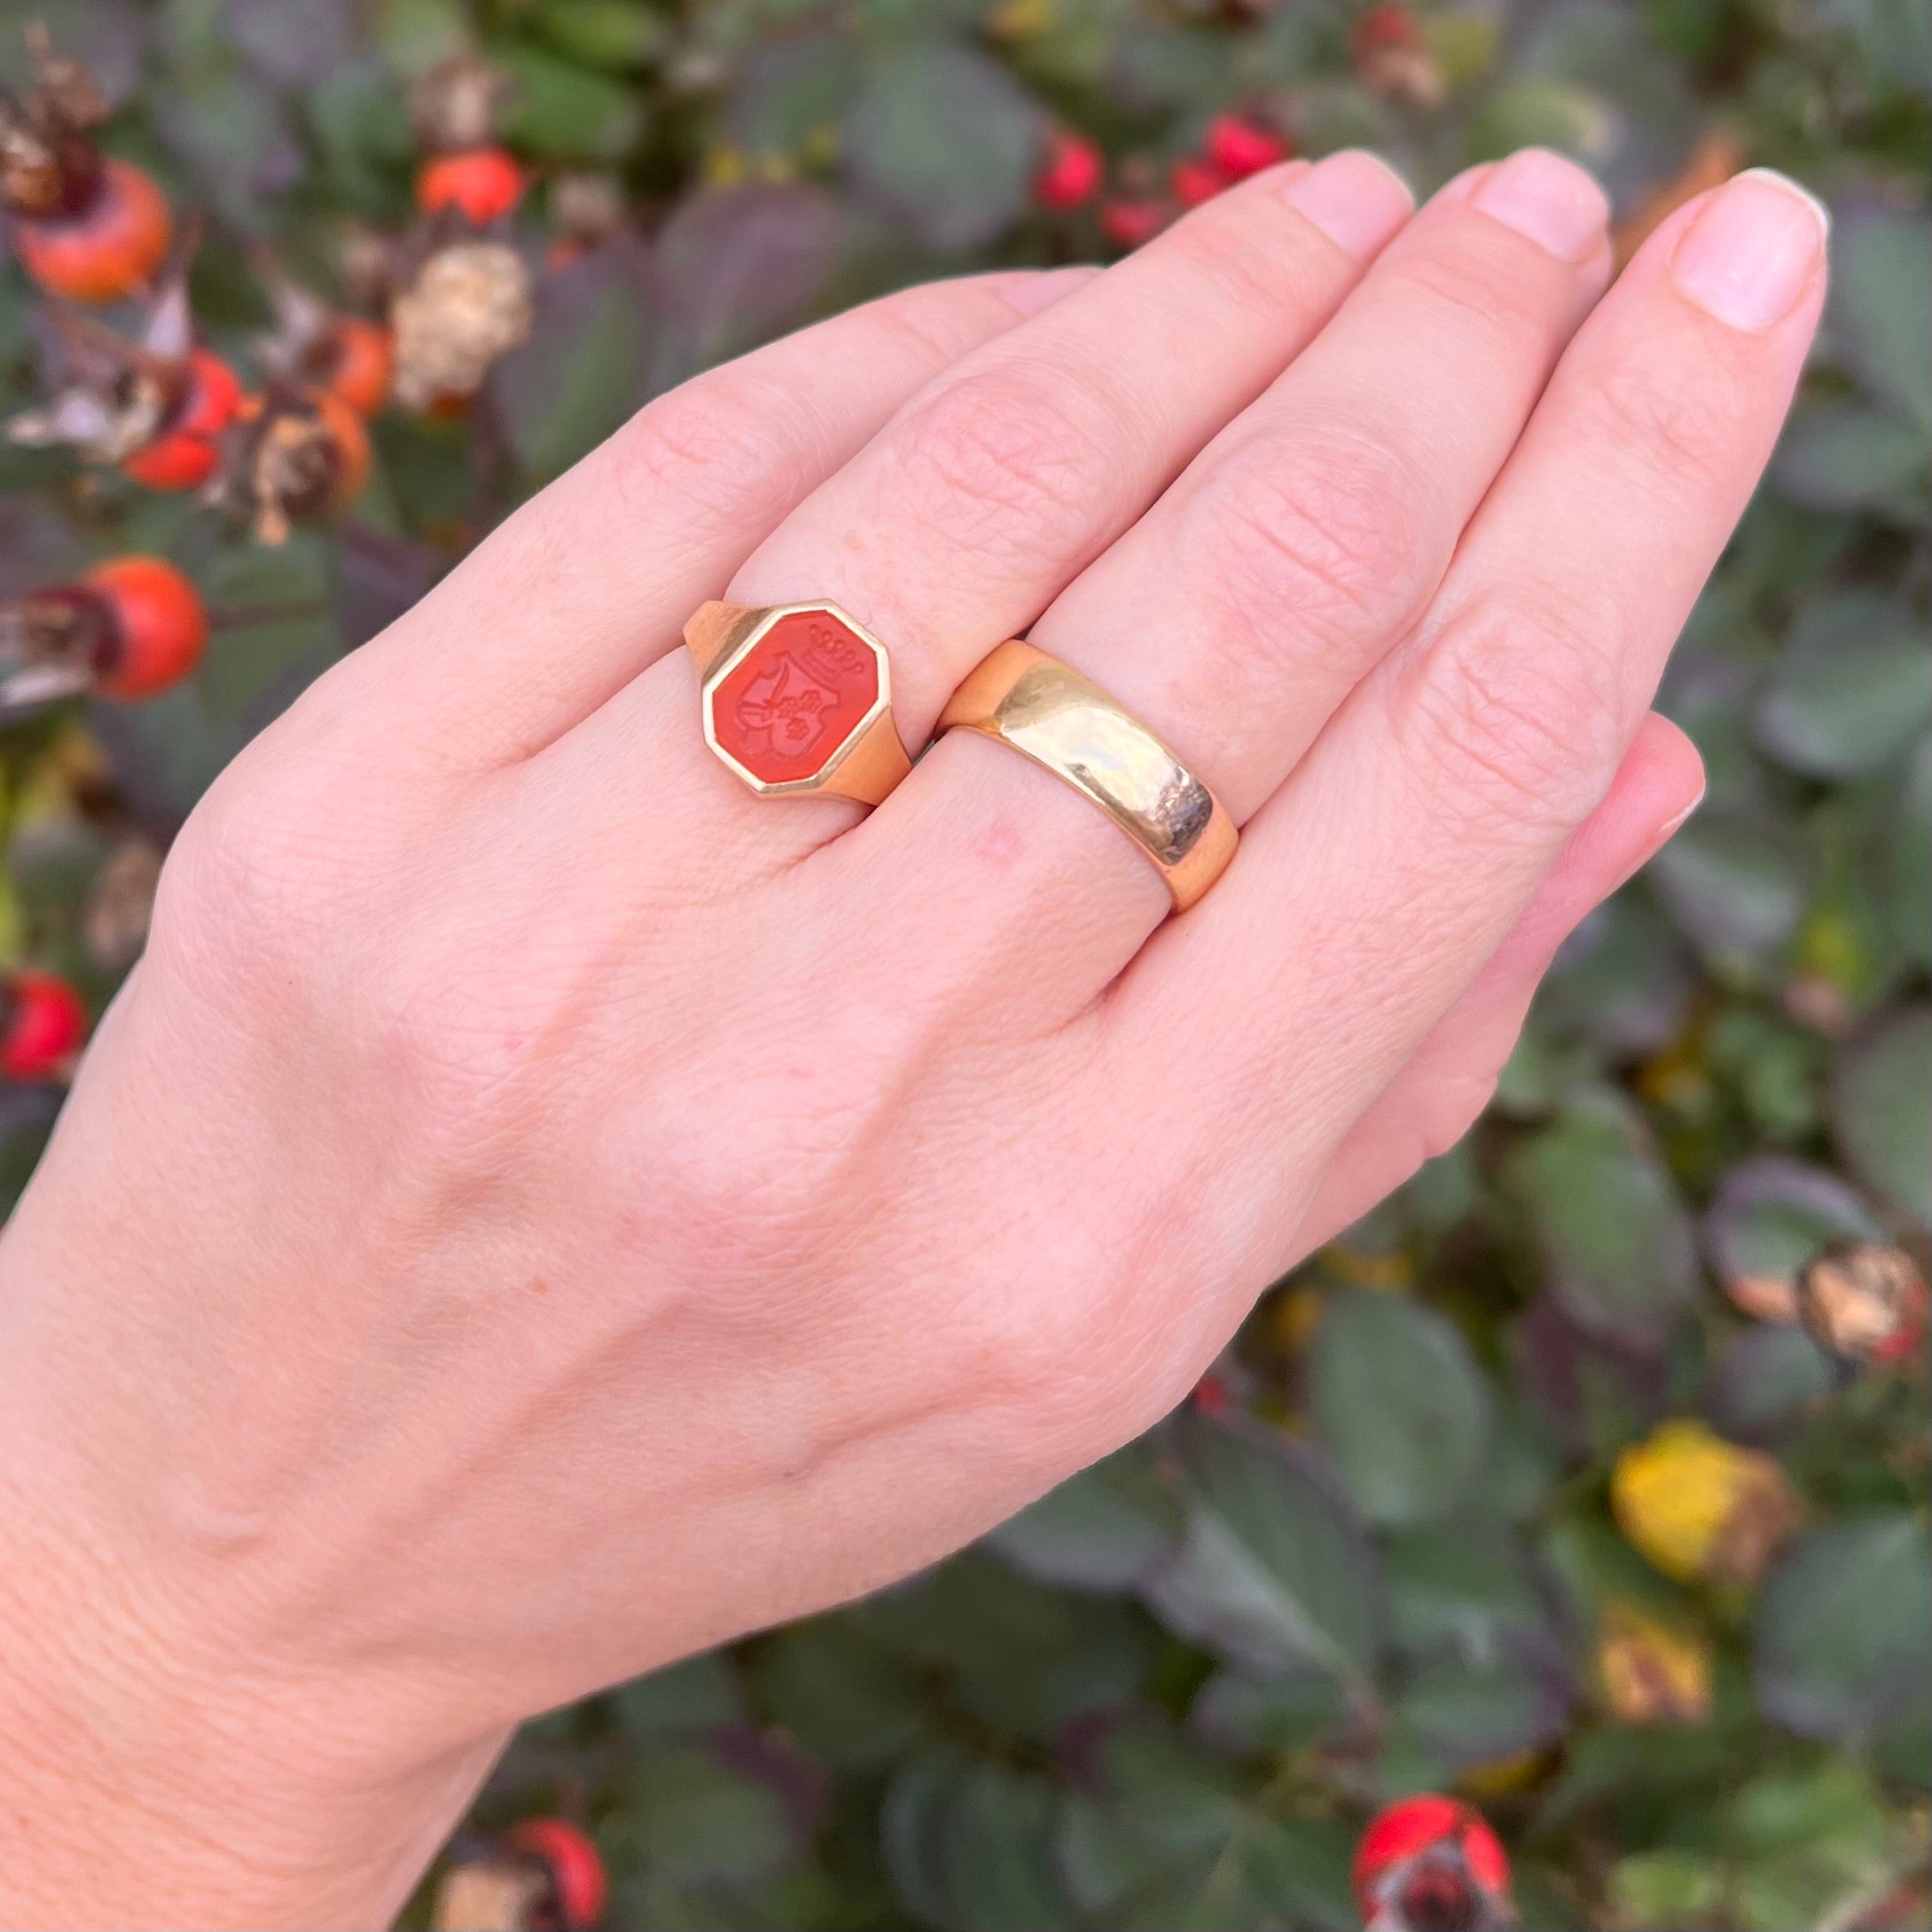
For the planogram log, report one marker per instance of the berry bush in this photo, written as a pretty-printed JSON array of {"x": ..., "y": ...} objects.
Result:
[{"x": 1554, "y": 1544}]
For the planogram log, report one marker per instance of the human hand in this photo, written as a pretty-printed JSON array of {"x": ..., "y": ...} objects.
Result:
[{"x": 538, "y": 1211}]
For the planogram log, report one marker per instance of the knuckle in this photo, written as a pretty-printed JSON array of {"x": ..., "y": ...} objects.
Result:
[
  {"x": 1253, "y": 264},
  {"x": 718, "y": 446},
  {"x": 1004, "y": 458},
  {"x": 1672, "y": 418},
  {"x": 257, "y": 876},
  {"x": 1516, "y": 705},
  {"x": 1326, "y": 537},
  {"x": 1476, "y": 288}
]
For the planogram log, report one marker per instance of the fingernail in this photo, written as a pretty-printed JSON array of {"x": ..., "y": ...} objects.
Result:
[
  {"x": 1357, "y": 200},
  {"x": 1031, "y": 294},
  {"x": 1670, "y": 827},
  {"x": 1553, "y": 202},
  {"x": 1753, "y": 251}
]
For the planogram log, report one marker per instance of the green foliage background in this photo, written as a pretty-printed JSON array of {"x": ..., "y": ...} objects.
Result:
[{"x": 1169, "y": 1695}]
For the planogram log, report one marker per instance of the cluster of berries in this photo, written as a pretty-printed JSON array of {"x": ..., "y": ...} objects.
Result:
[
  {"x": 92, "y": 231},
  {"x": 1073, "y": 174}
]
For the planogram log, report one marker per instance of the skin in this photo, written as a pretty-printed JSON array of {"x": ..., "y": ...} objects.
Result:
[{"x": 537, "y": 1209}]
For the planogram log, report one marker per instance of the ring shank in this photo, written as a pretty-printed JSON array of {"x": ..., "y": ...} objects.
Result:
[{"x": 1064, "y": 722}]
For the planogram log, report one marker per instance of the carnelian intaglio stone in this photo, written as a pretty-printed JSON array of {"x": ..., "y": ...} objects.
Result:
[{"x": 787, "y": 707}]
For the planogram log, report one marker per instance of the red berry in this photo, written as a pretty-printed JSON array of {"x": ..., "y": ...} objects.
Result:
[
  {"x": 578, "y": 1885},
  {"x": 172, "y": 462},
  {"x": 184, "y": 455},
  {"x": 161, "y": 625},
  {"x": 110, "y": 248},
  {"x": 42, "y": 1022},
  {"x": 1070, "y": 175},
  {"x": 1211, "y": 1395},
  {"x": 1238, "y": 147},
  {"x": 485, "y": 183},
  {"x": 1430, "y": 1864},
  {"x": 1130, "y": 220},
  {"x": 1386, "y": 27},
  {"x": 1194, "y": 181}
]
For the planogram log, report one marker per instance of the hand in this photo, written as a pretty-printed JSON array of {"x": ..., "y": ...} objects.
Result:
[{"x": 538, "y": 1211}]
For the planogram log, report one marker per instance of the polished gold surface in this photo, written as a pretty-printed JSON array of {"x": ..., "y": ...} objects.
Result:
[
  {"x": 870, "y": 762},
  {"x": 1064, "y": 722}
]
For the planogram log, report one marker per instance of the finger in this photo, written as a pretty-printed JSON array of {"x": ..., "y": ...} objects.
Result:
[
  {"x": 968, "y": 514},
  {"x": 1312, "y": 533},
  {"x": 1299, "y": 546},
  {"x": 1371, "y": 888},
  {"x": 1434, "y": 1099},
  {"x": 590, "y": 579}
]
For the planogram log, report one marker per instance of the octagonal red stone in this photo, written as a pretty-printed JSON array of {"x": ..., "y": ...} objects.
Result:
[{"x": 788, "y": 706}]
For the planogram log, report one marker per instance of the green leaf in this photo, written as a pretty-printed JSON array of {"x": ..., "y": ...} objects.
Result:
[
  {"x": 739, "y": 264},
  {"x": 1764, "y": 1380},
  {"x": 695, "y": 1817},
  {"x": 618, "y": 34},
  {"x": 1839, "y": 1638},
  {"x": 1848, "y": 456},
  {"x": 700, "y": 1694},
  {"x": 1908, "y": 858},
  {"x": 970, "y": 1846},
  {"x": 1454, "y": 1714},
  {"x": 1102, "y": 1530},
  {"x": 1169, "y": 1842},
  {"x": 1806, "y": 1839},
  {"x": 851, "y": 1702},
  {"x": 1881, "y": 293},
  {"x": 1734, "y": 882},
  {"x": 584, "y": 371},
  {"x": 1249, "y": 1717},
  {"x": 1608, "y": 1216},
  {"x": 1881, "y": 1109},
  {"x": 1273, "y": 1572},
  {"x": 944, "y": 139},
  {"x": 563, "y": 113},
  {"x": 1400, "y": 1404},
  {"x": 1853, "y": 690}
]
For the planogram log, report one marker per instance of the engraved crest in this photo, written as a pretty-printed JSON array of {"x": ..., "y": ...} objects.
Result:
[{"x": 787, "y": 706}]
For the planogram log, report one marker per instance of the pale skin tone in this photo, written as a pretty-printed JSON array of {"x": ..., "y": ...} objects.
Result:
[{"x": 538, "y": 1211}]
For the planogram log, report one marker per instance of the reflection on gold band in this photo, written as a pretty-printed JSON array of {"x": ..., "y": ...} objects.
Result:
[{"x": 1064, "y": 722}]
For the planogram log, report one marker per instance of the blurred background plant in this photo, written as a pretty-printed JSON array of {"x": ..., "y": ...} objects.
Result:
[{"x": 1586, "y": 1482}]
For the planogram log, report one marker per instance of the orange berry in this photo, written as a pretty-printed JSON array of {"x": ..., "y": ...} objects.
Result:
[
  {"x": 360, "y": 357},
  {"x": 161, "y": 625},
  {"x": 42, "y": 1022},
  {"x": 485, "y": 183},
  {"x": 110, "y": 248},
  {"x": 351, "y": 436}
]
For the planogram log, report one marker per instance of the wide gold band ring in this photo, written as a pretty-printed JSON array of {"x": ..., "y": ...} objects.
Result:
[
  {"x": 1049, "y": 712},
  {"x": 797, "y": 701}
]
